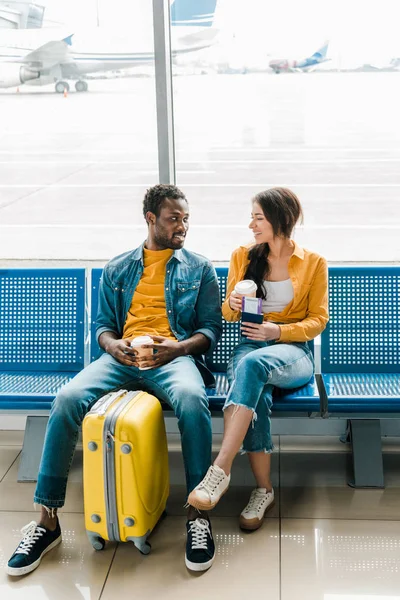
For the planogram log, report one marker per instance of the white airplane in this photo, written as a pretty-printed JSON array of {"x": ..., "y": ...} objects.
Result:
[
  {"x": 37, "y": 57},
  {"x": 305, "y": 64}
]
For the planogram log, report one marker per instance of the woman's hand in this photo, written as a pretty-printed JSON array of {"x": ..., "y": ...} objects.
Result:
[
  {"x": 264, "y": 332},
  {"x": 235, "y": 301}
]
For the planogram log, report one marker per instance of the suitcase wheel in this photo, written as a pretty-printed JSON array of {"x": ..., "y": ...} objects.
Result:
[
  {"x": 97, "y": 542},
  {"x": 144, "y": 548}
]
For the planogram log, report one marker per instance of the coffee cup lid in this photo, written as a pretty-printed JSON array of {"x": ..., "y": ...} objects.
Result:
[
  {"x": 245, "y": 286},
  {"x": 141, "y": 340}
]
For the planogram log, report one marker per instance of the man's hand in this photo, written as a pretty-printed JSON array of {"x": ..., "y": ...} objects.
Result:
[
  {"x": 164, "y": 351},
  {"x": 122, "y": 352},
  {"x": 264, "y": 332}
]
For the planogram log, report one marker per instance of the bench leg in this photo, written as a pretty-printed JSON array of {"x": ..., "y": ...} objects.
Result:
[
  {"x": 365, "y": 438},
  {"x": 32, "y": 448}
]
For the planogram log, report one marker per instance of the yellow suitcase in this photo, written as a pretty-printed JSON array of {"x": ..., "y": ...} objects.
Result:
[{"x": 125, "y": 468}]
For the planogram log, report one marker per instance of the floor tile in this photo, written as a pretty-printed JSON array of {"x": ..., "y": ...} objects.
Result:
[
  {"x": 16, "y": 496},
  {"x": 340, "y": 560},
  {"x": 72, "y": 571},
  {"x": 240, "y": 559},
  {"x": 8, "y": 454},
  {"x": 315, "y": 486}
]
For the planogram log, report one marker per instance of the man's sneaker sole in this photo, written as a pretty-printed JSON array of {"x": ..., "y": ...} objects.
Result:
[
  {"x": 16, "y": 572},
  {"x": 199, "y": 566},
  {"x": 193, "y": 501},
  {"x": 253, "y": 524}
]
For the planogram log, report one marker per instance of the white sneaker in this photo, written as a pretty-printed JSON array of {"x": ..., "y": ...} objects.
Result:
[
  {"x": 209, "y": 491},
  {"x": 260, "y": 502}
]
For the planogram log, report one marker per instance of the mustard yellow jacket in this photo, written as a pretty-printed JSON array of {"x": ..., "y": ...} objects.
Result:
[{"x": 307, "y": 314}]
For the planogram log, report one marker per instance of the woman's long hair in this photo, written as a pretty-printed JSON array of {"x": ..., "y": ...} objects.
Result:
[{"x": 282, "y": 209}]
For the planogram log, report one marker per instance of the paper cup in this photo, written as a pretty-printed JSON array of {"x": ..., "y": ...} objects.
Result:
[
  {"x": 247, "y": 287},
  {"x": 138, "y": 342}
]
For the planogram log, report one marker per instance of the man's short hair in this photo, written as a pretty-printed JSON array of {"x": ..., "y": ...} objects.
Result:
[{"x": 156, "y": 195}]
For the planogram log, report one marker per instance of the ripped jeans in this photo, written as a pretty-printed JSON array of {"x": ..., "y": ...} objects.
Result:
[{"x": 254, "y": 369}]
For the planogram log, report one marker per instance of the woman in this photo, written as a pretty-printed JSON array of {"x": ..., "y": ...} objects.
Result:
[{"x": 293, "y": 285}]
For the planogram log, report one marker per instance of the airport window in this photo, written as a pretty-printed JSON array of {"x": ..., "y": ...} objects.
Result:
[
  {"x": 78, "y": 139},
  {"x": 303, "y": 97}
]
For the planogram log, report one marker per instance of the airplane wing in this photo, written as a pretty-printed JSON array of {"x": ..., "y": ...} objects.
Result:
[{"x": 50, "y": 54}]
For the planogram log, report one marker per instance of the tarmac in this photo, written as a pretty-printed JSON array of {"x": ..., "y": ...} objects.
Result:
[{"x": 73, "y": 170}]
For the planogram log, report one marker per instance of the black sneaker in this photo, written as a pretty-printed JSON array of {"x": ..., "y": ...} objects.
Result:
[
  {"x": 200, "y": 547},
  {"x": 36, "y": 542}
]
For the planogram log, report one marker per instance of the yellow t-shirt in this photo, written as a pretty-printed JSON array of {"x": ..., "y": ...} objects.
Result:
[{"x": 148, "y": 314}]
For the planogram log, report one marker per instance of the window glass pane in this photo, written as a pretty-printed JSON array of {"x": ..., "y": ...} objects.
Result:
[
  {"x": 301, "y": 95},
  {"x": 74, "y": 166}
]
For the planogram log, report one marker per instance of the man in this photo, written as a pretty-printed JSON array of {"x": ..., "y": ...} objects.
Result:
[{"x": 171, "y": 294}]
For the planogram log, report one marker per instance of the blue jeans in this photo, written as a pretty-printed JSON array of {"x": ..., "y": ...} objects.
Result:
[
  {"x": 254, "y": 369},
  {"x": 177, "y": 383}
]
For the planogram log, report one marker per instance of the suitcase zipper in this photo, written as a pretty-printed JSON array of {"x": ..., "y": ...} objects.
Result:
[{"x": 109, "y": 464}]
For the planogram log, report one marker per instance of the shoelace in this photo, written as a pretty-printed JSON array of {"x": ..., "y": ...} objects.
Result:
[
  {"x": 200, "y": 529},
  {"x": 256, "y": 498},
  {"x": 31, "y": 532},
  {"x": 212, "y": 480}
]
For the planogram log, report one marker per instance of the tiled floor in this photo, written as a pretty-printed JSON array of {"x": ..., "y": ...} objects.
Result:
[{"x": 323, "y": 540}]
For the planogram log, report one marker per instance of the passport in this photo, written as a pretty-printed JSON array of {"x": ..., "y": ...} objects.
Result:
[{"x": 252, "y": 310}]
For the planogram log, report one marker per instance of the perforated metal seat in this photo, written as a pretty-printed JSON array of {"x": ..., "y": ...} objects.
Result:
[
  {"x": 30, "y": 391},
  {"x": 304, "y": 399},
  {"x": 362, "y": 392},
  {"x": 41, "y": 334},
  {"x": 360, "y": 361},
  {"x": 361, "y": 344}
]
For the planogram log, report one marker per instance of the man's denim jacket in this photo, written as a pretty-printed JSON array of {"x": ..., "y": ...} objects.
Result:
[{"x": 191, "y": 293}]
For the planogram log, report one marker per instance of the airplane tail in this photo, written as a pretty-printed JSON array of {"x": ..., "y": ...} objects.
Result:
[
  {"x": 321, "y": 53},
  {"x": 197, "y": 13}
]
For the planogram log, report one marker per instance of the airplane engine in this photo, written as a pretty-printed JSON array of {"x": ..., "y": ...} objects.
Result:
[
  {"x": 12, "y": 75},
  {"x": 42, "y": 80}
]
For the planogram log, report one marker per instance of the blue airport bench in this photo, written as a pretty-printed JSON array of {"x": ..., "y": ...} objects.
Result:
[
  {"x": 361, "y": 361},
  {"x": 304, "y": 400},
  {"x": 94, "y": 299},
  {"x": 42, "y": 324}
]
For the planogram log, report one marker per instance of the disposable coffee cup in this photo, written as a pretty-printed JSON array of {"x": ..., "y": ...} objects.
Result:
[
  {"x": 247, "y": 287},
  {"x": 138, "y": 342}
]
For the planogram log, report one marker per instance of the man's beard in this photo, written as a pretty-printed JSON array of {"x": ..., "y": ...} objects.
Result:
[{"x": 173, "y": 243}]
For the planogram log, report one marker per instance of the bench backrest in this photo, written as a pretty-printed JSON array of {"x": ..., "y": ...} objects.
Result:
[
  {"x": 363, "y": 333},
  {"x": 217, "y": 361},
  {"x": 94, "y": 347},
  {"x": 42, "y": 315}
]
